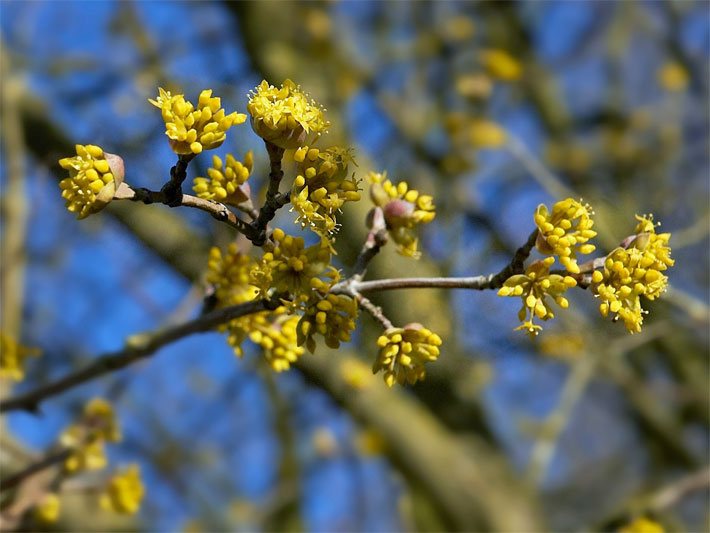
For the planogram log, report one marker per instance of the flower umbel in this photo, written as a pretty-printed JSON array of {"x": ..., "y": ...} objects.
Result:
[
  {"x": 404, "y": 352},
  {"x": 331, "y": 315},
  {"x": 192, "y": 130},
  {"x": 48, "y": 508},
  {"x": 565, "y": 230},
  {"x": 94, "y": 176},
  {"x": 322, "y": 187},
  {"x": 291, "y": 266},
  {"x": 404, "y": 209},
  {"x": 12, "y": 358},
  {"x": 228, "y": 273},
  {"x": 276, "y": 334},
  {"x": 534, "y": 287},
  {"x": 632, "y": 272},
  {"x": 86, "y": 438},
  {"x": 285, "y": 116},
  {"x": 226, "y": 183},
  {"x": 124, "y": 492}
]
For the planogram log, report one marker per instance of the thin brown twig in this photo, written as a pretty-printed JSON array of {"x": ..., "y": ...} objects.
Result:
[
  {"x": 219, "y": 211},
  {"x": 375, "y": 311},
  {"x": 44, "y": 463},
  {"x": 274, "y": 201},
  {"x": 137, "y": 347},
  {"x": 490, "y": 281}
]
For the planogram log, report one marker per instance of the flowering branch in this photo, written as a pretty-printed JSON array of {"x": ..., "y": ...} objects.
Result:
[
  {"x": 374, "y": 310},
  {"x": 484, "y": 282},
  {"x": 138, "y": 347},
  {"x": 274, "y": 201},
  {"x": 218, "y": 211},
  {"x": 44, "y": 463}
]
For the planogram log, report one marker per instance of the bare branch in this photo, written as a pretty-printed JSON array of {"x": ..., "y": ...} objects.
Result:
[
  {"x": 218, "y": 211},
  {"x": 490, "y": 281},
  {"x": 137, "y": 347},
  {"x": 44, "y": 463}
]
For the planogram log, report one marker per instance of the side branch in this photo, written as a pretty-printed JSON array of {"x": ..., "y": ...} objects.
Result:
[
  {"x": 137, "y": 347},
  {"x": 490, "y": 281},
  {"x": 274, "y": 201},
  {"x": 218, "y": 211},
  {"x": 49, "y": 461}
]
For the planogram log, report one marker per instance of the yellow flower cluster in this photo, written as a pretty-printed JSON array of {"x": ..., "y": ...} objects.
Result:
[
  {"x": 673, "y": 77},
  {"x": 124, "y": 492},
  {"x": 632, "y": 272},
  {"x": 486, "y": 134},
  {"x": 285, "y": 116},
  {"x": 225, "y": 183},
  {"x": 501, "y": 65},
  {"x": 277, "y": 336},
  {"x": 192, "y": 130},
  {"x": 229, "y": 275},
  {"x": 331, "y": 315},
  {"x": 322, "y": 187},
  {"x": 12, "y": 358},
  {"x": 93, "y": 179},
  {"x": 565, "y": 230},
  {"x": 642, "y": 525},
  {"x": 86, "y": 438},
  {"x": 48, "y": 508},
  {"x": 404, "y": 352},
  {"x": 533, "y": 288},
  {"x": 291, "y": 266},
  {"x": 404, "y": 209}
]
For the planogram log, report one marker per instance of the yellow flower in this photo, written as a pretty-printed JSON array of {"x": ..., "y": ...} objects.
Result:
[
  {"x": 86, "y": 438},
  {"x": 501, "y": 65},
  {"x": 331, "y": 315},
  {"x": 642, "y": 525},
  {"x": 404, "y": 209},
  {"x": 565, "y": 231},
  {"x": 356, "y": 374},
  {"x": 322, "y": 187},
  {"x": 124, "y": 492},
  {"x": 290, "y": 267},
  {"x": 193, "y": 130},
  {"x": 533, "y": 288},
  {"x": 93, "y": 179},
  {"x": 673, "y": 77},
  {"x": 632, "y": 272},
  {"x": 285, "y": 116},
  {"x": 48, "y": 508},
  {"x": 486, "y": 134},
  {"x": 12, "y": 358},
  {"x": 276, "y": 334},
  {"x": 89, "y": 452},
  {"x": 226, "y": 184},
  {"x": 229, "y": 275},
  {"x": 404, "y": 352}
]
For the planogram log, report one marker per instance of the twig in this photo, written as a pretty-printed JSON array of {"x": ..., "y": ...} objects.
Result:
[
  {"x": 137, "y": 347},
  {"x": 274, "y": 201},
  {"x": 15, "y": 479},
  {"x": 490, "y": 281},
  {"x": 172, "y": 190},
  {"x": 671, "y": 494},
  {"x": 371, "y": 308},
  {"x": 219, "y": 211}
]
